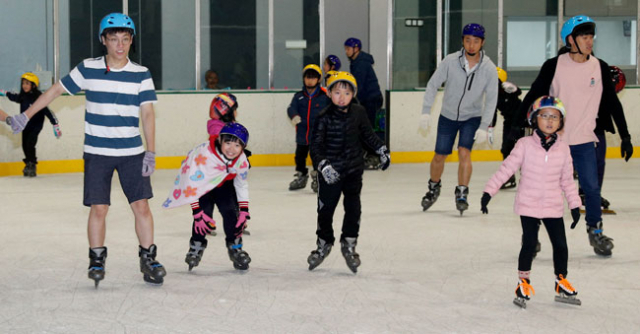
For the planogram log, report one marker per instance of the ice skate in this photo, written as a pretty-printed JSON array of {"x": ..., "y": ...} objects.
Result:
[
  {"x": 318, "y": 255},
  {"x": 239, "y": 257},
  {"x": 511, "y": 183},
  {"x": 153, "y": 272},
  {"x": 432, "y": 195},
  {"x": 29, "y": 169},
  {"x": 97, "y": 260},
  {"x": 299, "y": 181},
  {"x": 565, "y": 292},
  {"x": 314, "y": 181},
  {"x": 348, "y": 248},
  {"x": 196, "y": 250},
  {"x": 605, "y": 207},
  {"x": 602, "y": 245},
  {"x": 461, "y": 198},
  {"x": 524, "y": 291}
]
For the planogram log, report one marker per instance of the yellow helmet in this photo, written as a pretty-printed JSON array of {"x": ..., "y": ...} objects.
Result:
[
  {"x": 502, "y": 74},
  {"x": 312, "y": 67},
  {"x": 330, "y": 73},
  {"x": 343, "y": 76},
  {"x": 31, "y": 77}
]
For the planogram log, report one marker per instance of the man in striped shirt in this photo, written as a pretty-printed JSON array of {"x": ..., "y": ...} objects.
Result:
[{"x": 119, "y": 95}]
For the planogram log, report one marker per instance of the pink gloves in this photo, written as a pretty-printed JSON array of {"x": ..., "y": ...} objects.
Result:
[{"x": 203, "y": 224}]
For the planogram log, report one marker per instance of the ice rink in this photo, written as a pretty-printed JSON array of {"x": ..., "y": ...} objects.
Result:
[{"x": 422, "y": 272}]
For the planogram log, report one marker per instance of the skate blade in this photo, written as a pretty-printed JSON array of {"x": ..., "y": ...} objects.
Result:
[
  {"x": 246, "y": 232},
  {"x": 568, "y": 300},
  {"x": 153, "y": 281},
  {"x": 520, "y": 302},
  {"x": 604, "y": 211}
]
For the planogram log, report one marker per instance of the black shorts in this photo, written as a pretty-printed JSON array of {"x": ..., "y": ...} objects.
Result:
[{"x": 98, "y": 172}]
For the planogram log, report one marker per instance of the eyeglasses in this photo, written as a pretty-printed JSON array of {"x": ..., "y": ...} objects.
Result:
[{"x": 549, "y": 117}]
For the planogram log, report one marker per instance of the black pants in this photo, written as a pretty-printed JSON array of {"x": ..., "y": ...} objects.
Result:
[
  {"x": 29, "y": 141},
  {"x": 328, "y": 198},
  {"x": 224, "y": 197},
  {"x": 555, "y": 229},
  {"x": 372, "y": 106},
  {"x": 302, "y": 151},
  {"x": 507, "y": 143}
]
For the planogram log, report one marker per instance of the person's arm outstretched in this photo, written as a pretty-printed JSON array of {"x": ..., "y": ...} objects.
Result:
[{"x": 18, "y": 122}]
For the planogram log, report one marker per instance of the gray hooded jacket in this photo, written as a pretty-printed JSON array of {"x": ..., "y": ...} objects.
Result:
[{"x": 464, "y": 94}]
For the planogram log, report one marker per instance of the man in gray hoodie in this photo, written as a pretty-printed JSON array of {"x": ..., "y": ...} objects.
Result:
[{"x": 470, "y": 98}]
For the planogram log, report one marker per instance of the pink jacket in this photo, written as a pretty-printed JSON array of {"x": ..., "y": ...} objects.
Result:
[{"x": 544, "y": 176}]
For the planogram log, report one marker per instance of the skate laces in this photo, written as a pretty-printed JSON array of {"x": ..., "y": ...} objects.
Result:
[
  {"x": 561, "y": 281},
  {"x": 526, "y": 288}
]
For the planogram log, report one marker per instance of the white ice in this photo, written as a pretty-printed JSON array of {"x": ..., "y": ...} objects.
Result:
[{"x": 422, "y": 272}]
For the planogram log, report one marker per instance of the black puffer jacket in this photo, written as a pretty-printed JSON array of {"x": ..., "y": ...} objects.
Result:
[{"x": 339, "y": 136}]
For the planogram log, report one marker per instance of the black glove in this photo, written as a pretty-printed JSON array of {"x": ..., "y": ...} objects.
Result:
[
  {"x": 575, "y": 214},
  {"x": 484, "y": 201},
  {"x": 626, "y": 149}
]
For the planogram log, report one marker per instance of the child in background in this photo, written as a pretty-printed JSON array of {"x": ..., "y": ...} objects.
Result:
[
  {"x": 29, "y": 93},
  {"x": 508, "y": 105},
  {"x": 546, "y": 172},
  {"x": 215, "y": 172},
  {"x": 341, "y": 131},
  {"x": 303, "y": 110},
  {"x": 330, "y": 66}
]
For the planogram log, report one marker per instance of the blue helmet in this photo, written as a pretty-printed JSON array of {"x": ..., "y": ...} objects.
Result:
[
  {"x": 572, "y": 23},
  {"x": 473, "y": 29},
  {"x": 353, "y": 42},
  {"x": 116, "y": 20},
  {"x": 334, "y": 61},
  {"x": 235, "y": 130}
]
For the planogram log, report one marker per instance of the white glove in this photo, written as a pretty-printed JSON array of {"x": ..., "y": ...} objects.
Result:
[
  {"x": 480, "y": 137},
  {"x": 490, "y": 135},
  {"x": 295, "y": 120},
  {"x": 425, "y": 119},
  {"x": 509, "y": 87}
]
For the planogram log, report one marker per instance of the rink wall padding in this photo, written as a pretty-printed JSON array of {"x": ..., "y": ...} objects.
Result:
[{"x": 181, "y": 125}]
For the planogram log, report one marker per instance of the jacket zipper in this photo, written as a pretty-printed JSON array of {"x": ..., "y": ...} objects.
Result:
[{"x": 462, "y": 97}]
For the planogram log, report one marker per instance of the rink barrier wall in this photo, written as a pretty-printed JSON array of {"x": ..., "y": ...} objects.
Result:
[{"x": 181, "y": 125}]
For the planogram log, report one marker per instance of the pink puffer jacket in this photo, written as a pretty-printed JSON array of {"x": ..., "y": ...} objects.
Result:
[{"x": 544, "y": 176}]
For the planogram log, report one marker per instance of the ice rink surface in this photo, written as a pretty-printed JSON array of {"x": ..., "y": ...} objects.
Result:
[{"x": 422, "y": 272}]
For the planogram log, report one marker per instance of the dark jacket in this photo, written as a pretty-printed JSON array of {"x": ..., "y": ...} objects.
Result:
[
  {"x": 508, "y": 105},
  {"x": 339, "y": 137},
  {"x": 610, "y": 107},
  {"x": 307, "y": 107},
  {"x": 362, "y": 70},
  {"x": 26, "y": 100}
]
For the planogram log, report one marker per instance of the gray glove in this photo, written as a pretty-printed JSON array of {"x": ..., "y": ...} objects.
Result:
[
  {"x": 148, "y": 163},
  {"x": 328, "y": 173},
  {"x": 17, "y": 122}
]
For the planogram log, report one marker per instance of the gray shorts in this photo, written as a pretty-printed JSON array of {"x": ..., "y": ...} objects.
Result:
[{"x": 98, "y": 172}]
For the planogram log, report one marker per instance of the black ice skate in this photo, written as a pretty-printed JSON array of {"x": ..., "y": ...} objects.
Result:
[
  {"x": 153, "y": 272},
  {"x": 318, "y": 255},
  {"x": 524, "y": 291},
  {"x": 97, "y": 260},
  {"x": 299, "y": 181},
  {"x": 461, "y": 198},
  {"x": 29, "y": 169},
  {"x": 348, "y": 248},
  {"x": 602, "y": 245},
  {"x": 196, "y": 249},
  {"x": 432, "y": 195},
  {"x": 371, "y": 161},
  {"x": 604, "y": 206},
  {"x": 239, "y": 257},
  {"x": 314, "y": 181},
  {"x": 565, "y": 292},
  {"x": 511, "y": 183}
]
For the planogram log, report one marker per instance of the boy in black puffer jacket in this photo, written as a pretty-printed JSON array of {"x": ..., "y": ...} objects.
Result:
[{"x": 340, "y": 132}]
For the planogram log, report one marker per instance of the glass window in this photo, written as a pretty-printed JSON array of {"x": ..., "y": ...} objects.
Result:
[
  {"x": 414, "y": 43},
  {"x": 530, "y": 38},
  {"x": 296, "y": 40},
  {"x": 27, "y": 44},
  {"x": 457, "y": 13}
]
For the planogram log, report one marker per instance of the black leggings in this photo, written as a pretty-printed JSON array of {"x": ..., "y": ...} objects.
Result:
[
  {"x": 29, "y": 141},
  {"x": 224, "y": 197},
  {"x": 555, "y": 229},
  {"x": 328, "y": 199},
  {"x": 301, "y": 158}
]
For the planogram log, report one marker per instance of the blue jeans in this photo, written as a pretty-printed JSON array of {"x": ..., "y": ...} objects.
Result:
[{"x": 584, "y": 162}]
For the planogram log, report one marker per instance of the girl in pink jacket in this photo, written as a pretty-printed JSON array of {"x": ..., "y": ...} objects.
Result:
[{"x": 546, "y": 171}]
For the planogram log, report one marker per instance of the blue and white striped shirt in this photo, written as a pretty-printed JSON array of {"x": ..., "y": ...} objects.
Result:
[{"x": 112, "y": 109}]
